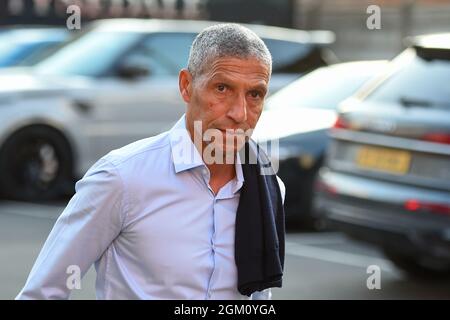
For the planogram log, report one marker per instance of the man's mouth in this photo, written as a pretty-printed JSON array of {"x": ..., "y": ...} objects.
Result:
[{"x": 237, "y": 132}]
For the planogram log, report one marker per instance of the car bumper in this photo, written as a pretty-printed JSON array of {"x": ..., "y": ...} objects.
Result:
[{"x": 373, "y": 211}]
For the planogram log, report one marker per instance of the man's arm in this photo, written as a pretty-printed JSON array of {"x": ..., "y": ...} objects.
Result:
[{"x": 92, "y": 219}]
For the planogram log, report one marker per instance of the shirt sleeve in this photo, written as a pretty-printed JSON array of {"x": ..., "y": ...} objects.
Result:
[{"x": 92, "y": 219}]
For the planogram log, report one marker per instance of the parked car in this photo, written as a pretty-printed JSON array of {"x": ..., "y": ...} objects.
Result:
[
  {"x": 298, "y": 117},
  {"x": 25, "y": 46},
  {"x": 115, "y": 83},
  {"x": 387, "y": 177}
]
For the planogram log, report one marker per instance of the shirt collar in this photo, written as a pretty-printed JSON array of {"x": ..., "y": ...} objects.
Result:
[{"x": 185, "y": 155}]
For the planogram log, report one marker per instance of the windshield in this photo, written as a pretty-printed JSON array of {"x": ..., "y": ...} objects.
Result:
[
  {"x": 309, "y": 91},
  {"x": 419, "y": 82},
  {"x": 92, "y": 54},
  {"x": 12, "y": 52}
]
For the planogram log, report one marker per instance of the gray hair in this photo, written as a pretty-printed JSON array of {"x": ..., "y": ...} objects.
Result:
[{"x": 226, "y": 40}]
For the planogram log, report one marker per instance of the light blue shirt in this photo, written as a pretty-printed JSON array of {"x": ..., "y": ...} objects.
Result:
[{"x": 147, "y": 217}]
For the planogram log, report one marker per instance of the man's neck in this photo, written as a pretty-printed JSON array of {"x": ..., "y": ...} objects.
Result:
[{"x": 220, "y": 175}]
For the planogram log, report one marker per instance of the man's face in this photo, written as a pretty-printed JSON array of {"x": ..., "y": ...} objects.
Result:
[{"x": 229, "y": 96}]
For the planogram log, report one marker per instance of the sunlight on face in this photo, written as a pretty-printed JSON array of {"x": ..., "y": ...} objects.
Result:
[{"x": 228, "y": 100}]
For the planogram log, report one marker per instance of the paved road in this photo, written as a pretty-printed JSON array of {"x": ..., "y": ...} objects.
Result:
[{"x": 323, "y": 265}]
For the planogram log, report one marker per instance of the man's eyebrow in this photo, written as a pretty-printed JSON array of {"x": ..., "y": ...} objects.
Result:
[
  {"x": 263, "y": 89},
  {"x": 221, "y": 77},
  {"x": 260, "y": 87}
]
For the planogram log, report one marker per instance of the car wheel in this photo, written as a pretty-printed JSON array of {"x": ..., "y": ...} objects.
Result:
[
  {"x": 419, "y": 267},
  {"x": 35, "y": 164}
]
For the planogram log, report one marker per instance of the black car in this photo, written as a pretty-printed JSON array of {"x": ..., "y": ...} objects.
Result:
[
  {"x": 298, "y": 118},
  {"x": 387, "y": 174}
]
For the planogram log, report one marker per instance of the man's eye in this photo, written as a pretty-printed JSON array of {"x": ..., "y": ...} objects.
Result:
[
  {"x": 255, "y": 94},
  {"x": 221, "y": 87}
]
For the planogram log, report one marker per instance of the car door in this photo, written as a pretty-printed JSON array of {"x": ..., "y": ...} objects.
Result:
[{"x": 130, "y": 109}]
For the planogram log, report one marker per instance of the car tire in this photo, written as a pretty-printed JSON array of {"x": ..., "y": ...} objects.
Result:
[
  {"x": 35, "y": 164},
  {"x": 425, "y": 268}
]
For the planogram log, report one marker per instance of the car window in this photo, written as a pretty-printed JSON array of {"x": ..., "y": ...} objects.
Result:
[
  {"x": 92, "y": 54},
  {"x": 324, "y": 88},
  {"x": 164, "y": 53},
  {"x": 40, "y": 54},
  {"x": 12, "y": 52},
  {"x": 287, "y": 56},
  {"x": 419, "y": 81}
]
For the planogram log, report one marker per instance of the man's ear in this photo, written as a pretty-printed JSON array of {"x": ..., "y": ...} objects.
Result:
[{"x": 185, "y": 84}]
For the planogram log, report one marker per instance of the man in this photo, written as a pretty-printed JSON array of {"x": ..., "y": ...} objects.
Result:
[{"x": 171, "y": 217}]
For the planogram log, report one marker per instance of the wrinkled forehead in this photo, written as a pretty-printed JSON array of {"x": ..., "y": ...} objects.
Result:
[{"x": 248, "y": 69}]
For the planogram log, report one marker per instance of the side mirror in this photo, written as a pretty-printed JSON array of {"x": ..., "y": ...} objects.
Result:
[{"x": 132, "y": 70}]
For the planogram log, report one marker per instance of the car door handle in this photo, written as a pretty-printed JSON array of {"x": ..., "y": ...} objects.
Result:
[{"x": 82, "y": 106}]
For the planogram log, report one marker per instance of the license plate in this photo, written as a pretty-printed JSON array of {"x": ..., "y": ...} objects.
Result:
[{"x": 383, "y": 159}]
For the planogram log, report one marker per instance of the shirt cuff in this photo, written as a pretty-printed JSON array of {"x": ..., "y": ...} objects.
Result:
[{"x": 262, "y": 295}]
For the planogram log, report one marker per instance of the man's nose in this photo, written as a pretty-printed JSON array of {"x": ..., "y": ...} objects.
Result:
[{"x": 238, "y": 110}]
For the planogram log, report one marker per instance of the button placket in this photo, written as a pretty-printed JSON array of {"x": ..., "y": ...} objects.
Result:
[{"x": 213, "y": 249}]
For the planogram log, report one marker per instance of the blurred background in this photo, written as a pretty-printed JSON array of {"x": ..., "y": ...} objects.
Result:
[{"x": 359, "y": 105}]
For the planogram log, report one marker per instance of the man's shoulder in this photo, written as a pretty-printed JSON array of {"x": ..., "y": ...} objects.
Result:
[{"x": 141, "y": 151}]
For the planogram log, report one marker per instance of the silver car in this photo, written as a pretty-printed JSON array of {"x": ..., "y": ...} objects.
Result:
[
  {"x": 24, "y": 46},
  {"x": 115, "y": 83}
]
